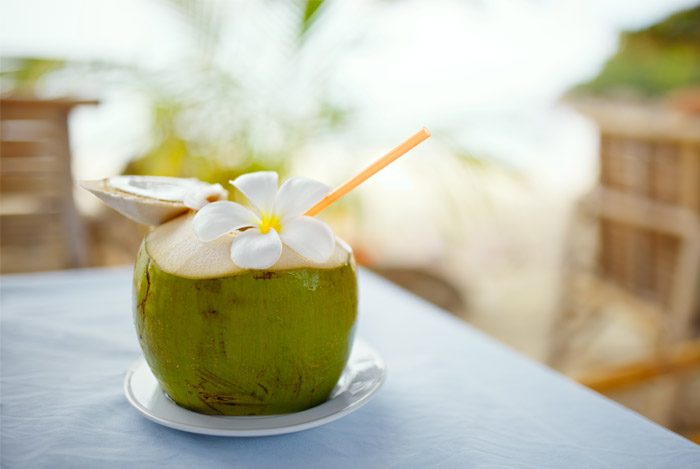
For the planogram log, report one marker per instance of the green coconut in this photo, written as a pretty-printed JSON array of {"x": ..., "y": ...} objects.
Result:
[{"x": 227, "y": 341}]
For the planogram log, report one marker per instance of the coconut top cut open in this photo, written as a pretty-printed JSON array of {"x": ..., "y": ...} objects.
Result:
[
  {"x": 153, "y": 200},
  {"x": 175, "y": 248}
]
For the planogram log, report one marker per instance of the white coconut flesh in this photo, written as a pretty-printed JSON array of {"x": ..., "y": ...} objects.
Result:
[
  {"x": 157, "y": 187},
  {"x": 149, "y": 200},
  {"x": 175, "y": 248}
]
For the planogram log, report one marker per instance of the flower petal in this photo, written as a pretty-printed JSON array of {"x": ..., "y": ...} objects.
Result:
[
  {"x": 298, "y": 194},
  {"x": 259, "y": 188},
  {"x": 198, "y": 198},
  {"x": 309, "y": 237},
  {"x": 253, "y": 250},
  {"x": 218, "y": 218}
]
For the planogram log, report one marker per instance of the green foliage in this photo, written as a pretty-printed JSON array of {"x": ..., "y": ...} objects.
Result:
[
  {"x": 22, "y": 74},
  {"x": 682, "y": 27},
  {"x": 311, "y": 10},
  {"x": 656, "y": 60}
]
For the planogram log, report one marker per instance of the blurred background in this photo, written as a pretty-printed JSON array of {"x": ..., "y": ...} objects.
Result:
[{"x": 556, "y": 207}]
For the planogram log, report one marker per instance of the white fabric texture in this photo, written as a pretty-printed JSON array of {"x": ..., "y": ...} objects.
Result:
[{"x": 453, "y": 397}]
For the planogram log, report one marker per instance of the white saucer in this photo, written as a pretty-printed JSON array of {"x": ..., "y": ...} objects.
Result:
[{"x": 360, "y": 381}]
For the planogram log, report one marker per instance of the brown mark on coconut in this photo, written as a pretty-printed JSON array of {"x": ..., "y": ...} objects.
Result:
[
  {"x": 142, "y": 303},
  {"x": 263, "y": 388},
  {"x": 208, "y": 285},
  {"x": 200, "y": 385},
  {"x": 298, "y": 384},
  {"x": 266, "y": 275},
  {"x": 210, "y": 377},
  {"x": 204, "y": 397},
  {"x": 228, "y": 399}
]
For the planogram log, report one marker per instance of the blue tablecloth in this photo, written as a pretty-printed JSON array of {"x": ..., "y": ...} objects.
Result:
[{"x": 453, "y": 397}]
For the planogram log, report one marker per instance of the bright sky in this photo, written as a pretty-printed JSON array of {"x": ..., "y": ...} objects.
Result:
[{"x": 479, "y": 70}]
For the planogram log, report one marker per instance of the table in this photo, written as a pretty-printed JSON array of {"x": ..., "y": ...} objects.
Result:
[{"x": 453, "y": 396}]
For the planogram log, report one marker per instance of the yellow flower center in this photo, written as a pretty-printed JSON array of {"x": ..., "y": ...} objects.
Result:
[{"x": 270, "y": 221}]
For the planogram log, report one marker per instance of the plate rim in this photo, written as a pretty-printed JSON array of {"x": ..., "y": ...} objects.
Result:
[{"x": 278, "y": 430}]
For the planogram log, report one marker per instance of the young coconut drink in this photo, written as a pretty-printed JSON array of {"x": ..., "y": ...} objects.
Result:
[
  {"x": 242, "y": 311},
  {"x": 239, "y": 311}
]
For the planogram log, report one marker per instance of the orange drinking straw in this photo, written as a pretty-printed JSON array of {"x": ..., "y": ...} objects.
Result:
[{"x": 369, "y": 171}]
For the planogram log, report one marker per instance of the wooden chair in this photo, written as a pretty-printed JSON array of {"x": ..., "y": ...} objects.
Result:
[
  {"x": 672, "y": 363},
  {"x": 647, "y": 211},
  {"x": 40, "y": 228}
]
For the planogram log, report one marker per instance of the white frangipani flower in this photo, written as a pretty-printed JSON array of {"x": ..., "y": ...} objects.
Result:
[{"x": 278, "y": 219}]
